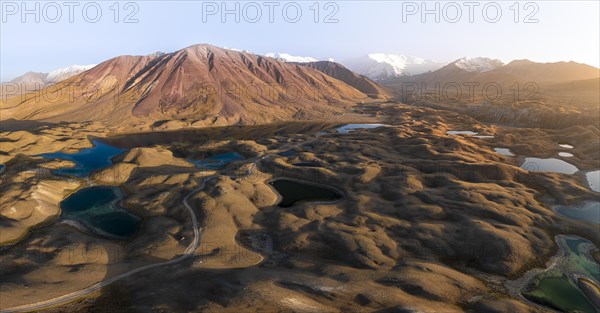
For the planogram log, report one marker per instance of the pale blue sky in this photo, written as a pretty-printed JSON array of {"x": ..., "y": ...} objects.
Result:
[{"x": 566, "y": 30}]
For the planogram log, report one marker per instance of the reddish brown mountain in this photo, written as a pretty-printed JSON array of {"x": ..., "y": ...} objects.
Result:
[{"x": 200, "y": 83}]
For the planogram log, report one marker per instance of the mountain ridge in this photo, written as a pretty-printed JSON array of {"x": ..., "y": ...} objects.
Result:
[
  {"x": 518, "y": 71},
  {"x": 47, "y": 78},
  {"x": 342, "y": 73},
  {"x": 208, "y": 84}
]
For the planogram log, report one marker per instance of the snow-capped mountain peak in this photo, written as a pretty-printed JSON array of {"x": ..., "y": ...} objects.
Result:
[
  {"x": 380, "y": 66},
  {"x": 398, "y": 59},
  {"x": 290, "y": 58},
  {"x": 477, "y": 64},
  {"x": 67, "y": 72}
]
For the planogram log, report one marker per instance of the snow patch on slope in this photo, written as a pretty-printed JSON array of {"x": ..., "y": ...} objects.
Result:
[
  {"x": 238, "y": 50},
  {"x": 67, "y": 72},
  {"x": 478, "y": 64},
  {"x": 290, "y": 58}
]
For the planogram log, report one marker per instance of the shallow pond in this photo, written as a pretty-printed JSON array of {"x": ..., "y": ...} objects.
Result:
[
  {"x": 504, "y": 151},
  {"x": 548, "y": 165},
  {"x": 293, "y": 192},
  {"x": 218, "y": 161},
  {"x": 289, "y": 152},
  {"x": 565, "y": 154},
  {"x": 587, "y": 211},
  {"x": 566, "y": 146},
  {"x": 461, "y": 132},
  {"x": 86, "y": 160},
  {"x": 593, "y": 179},
  {"x": 98, "y": 210},
  {"x": 557, "y": 287},
  {"x": 352, "y": 127},
  {"x": 307, "y": 164}
]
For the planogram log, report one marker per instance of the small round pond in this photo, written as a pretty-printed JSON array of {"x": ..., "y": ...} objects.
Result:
[
  {"x": 593, "y": 178},
  {"x": 289, "y": 152},
  {"x": 307, "y": 164},
  {"x": 504, "y": 151},
  {"x": 548, "y": 165},
  {"x": 565, "y": 146},
  {"x": 352, "y": 127},
  {"x": 587, "y": 211},
  {"x": 97, "y": 210},
  {"x": 461, "y": 132},
  {"x": 218, "y": 161}
]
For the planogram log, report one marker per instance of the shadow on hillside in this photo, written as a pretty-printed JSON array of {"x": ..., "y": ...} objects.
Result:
[{"x": 12, "y": 125}]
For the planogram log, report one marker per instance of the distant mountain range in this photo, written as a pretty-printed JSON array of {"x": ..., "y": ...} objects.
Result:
[
  {"x": 33, "y": 80},
  {"x": 484, "y": 70},
  {"x": 384, "y": 67},
  {"x": 208, "y": 85},
  {"x": 389, "y": 67},
  {"x": 381, "y": 67},
  {"x": 376, "y": 66}
]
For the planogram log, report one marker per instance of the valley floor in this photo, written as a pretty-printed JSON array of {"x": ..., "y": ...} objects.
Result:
[{"x": 429, "y": 221}]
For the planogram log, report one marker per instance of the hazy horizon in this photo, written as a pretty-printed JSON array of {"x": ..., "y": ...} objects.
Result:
[{"x": 47, "y": 45}]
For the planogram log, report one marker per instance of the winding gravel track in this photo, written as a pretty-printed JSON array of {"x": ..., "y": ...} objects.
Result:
[{"x": 189, "y": 251}]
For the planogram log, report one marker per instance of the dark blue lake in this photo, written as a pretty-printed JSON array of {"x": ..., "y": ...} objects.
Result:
[
  {"x": 218, "y": 161},
  {"x": 289, "y": 152},
  {"x": 86, "y": 160},
  {"x": 293, "y": 192},
  {"x": 98, "y": 210},
  {"x": 307, "y": 164}
]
